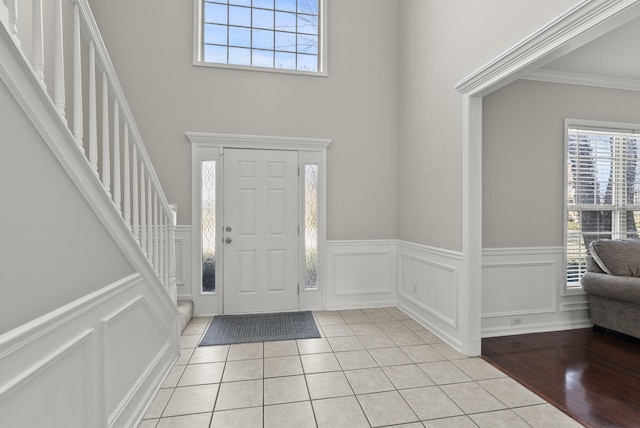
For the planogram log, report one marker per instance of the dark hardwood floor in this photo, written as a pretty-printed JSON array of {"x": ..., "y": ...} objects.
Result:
[{"x": 592, "y": 376}]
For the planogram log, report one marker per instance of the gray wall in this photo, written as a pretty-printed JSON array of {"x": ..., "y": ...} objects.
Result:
[
  {"x": 440, "y": 43},
  {"x": 523, "y": 155},
  {"x": 150, "y": 43},
  {"x": 54, "y": 248},
  {"x": 389, "y": 102}
]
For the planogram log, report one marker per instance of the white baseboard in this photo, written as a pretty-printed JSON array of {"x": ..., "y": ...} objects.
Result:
[{"x": 535, "y": 328}]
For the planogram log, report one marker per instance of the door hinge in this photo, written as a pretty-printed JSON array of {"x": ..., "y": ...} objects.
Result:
[
  {"x": 298, "y": 289},
  {"x": 298, "y": 229},
  {"x": 298, "y": 171}
]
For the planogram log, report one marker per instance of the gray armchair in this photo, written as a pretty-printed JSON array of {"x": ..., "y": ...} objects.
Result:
[{"x": 612, "y": 281}]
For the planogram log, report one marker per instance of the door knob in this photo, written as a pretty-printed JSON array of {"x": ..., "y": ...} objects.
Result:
[
  {"x": 227, "y": 241},
  {"x": 228, "y": 228}
]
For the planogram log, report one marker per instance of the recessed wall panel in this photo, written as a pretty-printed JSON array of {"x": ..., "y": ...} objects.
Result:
[
  {"x": 517, "y": 288},
  {"x": 431, "y": 285},
  {"x": 361, "y": 273},
  {"x": 129, "y": 351},
  {"x": 56, "y": 393}
]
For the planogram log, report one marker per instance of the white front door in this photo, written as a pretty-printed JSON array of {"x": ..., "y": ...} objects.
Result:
[{"x": 260, "y": 231}]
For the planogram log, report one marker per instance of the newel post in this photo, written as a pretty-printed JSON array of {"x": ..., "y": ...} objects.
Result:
[{"x": 171, "y": 286}]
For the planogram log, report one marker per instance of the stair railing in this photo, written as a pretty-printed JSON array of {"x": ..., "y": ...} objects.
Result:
[{"x": 73, "y": 68}]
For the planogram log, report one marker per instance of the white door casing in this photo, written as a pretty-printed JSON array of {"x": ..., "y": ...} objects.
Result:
[
  {"x": 214, "y": 147},
  {"x": 260, "y": 231}
]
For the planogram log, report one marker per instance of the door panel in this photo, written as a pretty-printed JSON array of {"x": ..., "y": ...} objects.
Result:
[{"x": 260, "y": 231}]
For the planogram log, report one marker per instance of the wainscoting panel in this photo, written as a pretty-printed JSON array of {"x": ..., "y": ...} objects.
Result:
[
  {"x": 428, "y": 288},
  {"x": 183, "y": 262},
  {"x": 519, "y": 288},
  {"x": 125, "y": 370},
  {"x": 55, "y": 388},
  {"x": 359, "y": 274},
  {"x": 523, "y": 292},
  {"x": 96, "y": 361}
]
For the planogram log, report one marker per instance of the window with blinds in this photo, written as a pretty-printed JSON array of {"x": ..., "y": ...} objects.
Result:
[
  {"x": 603, "y": 191},
  {"x": 278, "y": 35}
]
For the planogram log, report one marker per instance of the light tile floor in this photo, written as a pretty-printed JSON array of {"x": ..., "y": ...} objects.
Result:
[{"x": 370, "y": 368}]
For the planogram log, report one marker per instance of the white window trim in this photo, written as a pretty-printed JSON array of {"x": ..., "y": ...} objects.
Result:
[
  {"x": 210, "y": 146},
  {"x": 322, "y": 50},
  {"x": 576, "y": 289}
]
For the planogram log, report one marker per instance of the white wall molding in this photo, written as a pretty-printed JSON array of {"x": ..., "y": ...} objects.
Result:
[
  {"x": 359, "y": 273},
  {"x": 84, "y": 364},
  {"x": 33, "y": 385},
  {"x": 429, "y": 288},
  {"x": 411, "y": 293},
  {"x": 575, "y": 306},
  {"x": 583, "y": 23},
  {"x": 23, "y": 335},
  {"x": 543, "y": 327},
  {"x": 583, "y": 79},
  {"x": 241, "y": 141},
  {"x": 183, "y": 260},
  {"x": 523, "y": 292}
]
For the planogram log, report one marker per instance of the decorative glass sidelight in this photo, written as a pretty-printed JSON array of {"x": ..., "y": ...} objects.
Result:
[
  {"x": 311, "y": 225},
  {"x": 208, "y": 226}
]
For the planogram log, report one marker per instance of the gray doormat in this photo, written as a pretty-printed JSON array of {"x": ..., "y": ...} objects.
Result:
[{"x": 228, "y": 329}]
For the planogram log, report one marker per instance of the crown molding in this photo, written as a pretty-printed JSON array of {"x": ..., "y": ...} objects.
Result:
[
  {"x": 257, "y": 141},
  {"x": 584, "y": 79},
  {"x": 578, "y": 26}
]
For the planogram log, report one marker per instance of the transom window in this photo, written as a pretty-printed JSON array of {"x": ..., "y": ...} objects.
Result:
[
  {"x": 603, "y": 190},
  {"x": 278, "y": 35}
]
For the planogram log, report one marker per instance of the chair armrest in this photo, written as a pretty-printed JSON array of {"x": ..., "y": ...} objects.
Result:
[{"x": 625, "y": 288}]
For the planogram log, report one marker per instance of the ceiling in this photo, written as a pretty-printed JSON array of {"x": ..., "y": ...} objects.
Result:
[{"x": 615, "y": 56}]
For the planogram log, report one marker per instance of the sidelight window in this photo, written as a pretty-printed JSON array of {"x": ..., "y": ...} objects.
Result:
[{"x": 208, "y": 226}]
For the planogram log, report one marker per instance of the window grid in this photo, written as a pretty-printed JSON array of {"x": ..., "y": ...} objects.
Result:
[
  {"x": 208, "y": 226},
  {"x": 603, "y": 192},
  {"x": 311, "y": 225},
  {"x": 302, "y": 53}
]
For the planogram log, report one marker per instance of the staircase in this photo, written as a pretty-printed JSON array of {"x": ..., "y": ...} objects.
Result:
[
  {"x": 185, "y": 308},
  {"x": 96, "y": 352}
]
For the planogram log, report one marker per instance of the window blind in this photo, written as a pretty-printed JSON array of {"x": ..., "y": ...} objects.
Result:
[{"x": 603, "y": 191}]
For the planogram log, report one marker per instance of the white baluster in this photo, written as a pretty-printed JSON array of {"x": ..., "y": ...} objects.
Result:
[
  {"x": 163, "y": 252},
  {"x": 93, "y": 110},
  {"x": 78, "y": 128},
  {"x": 127, "y": 181},
  {"x": 58, "y": 65},
  {"x": 143, "y": 217},
  {"x": 172, "y": 254},
  {"x": 116, "y": 155},
  {"x": 12, "y": 5},
  {"x": 106, "y": 163},
  {"x": 149, "y": 221},
  {"x": 38, "y": 43},
  {"x": 156, "y": 233},
  {"x": 136, "y": 201}
]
